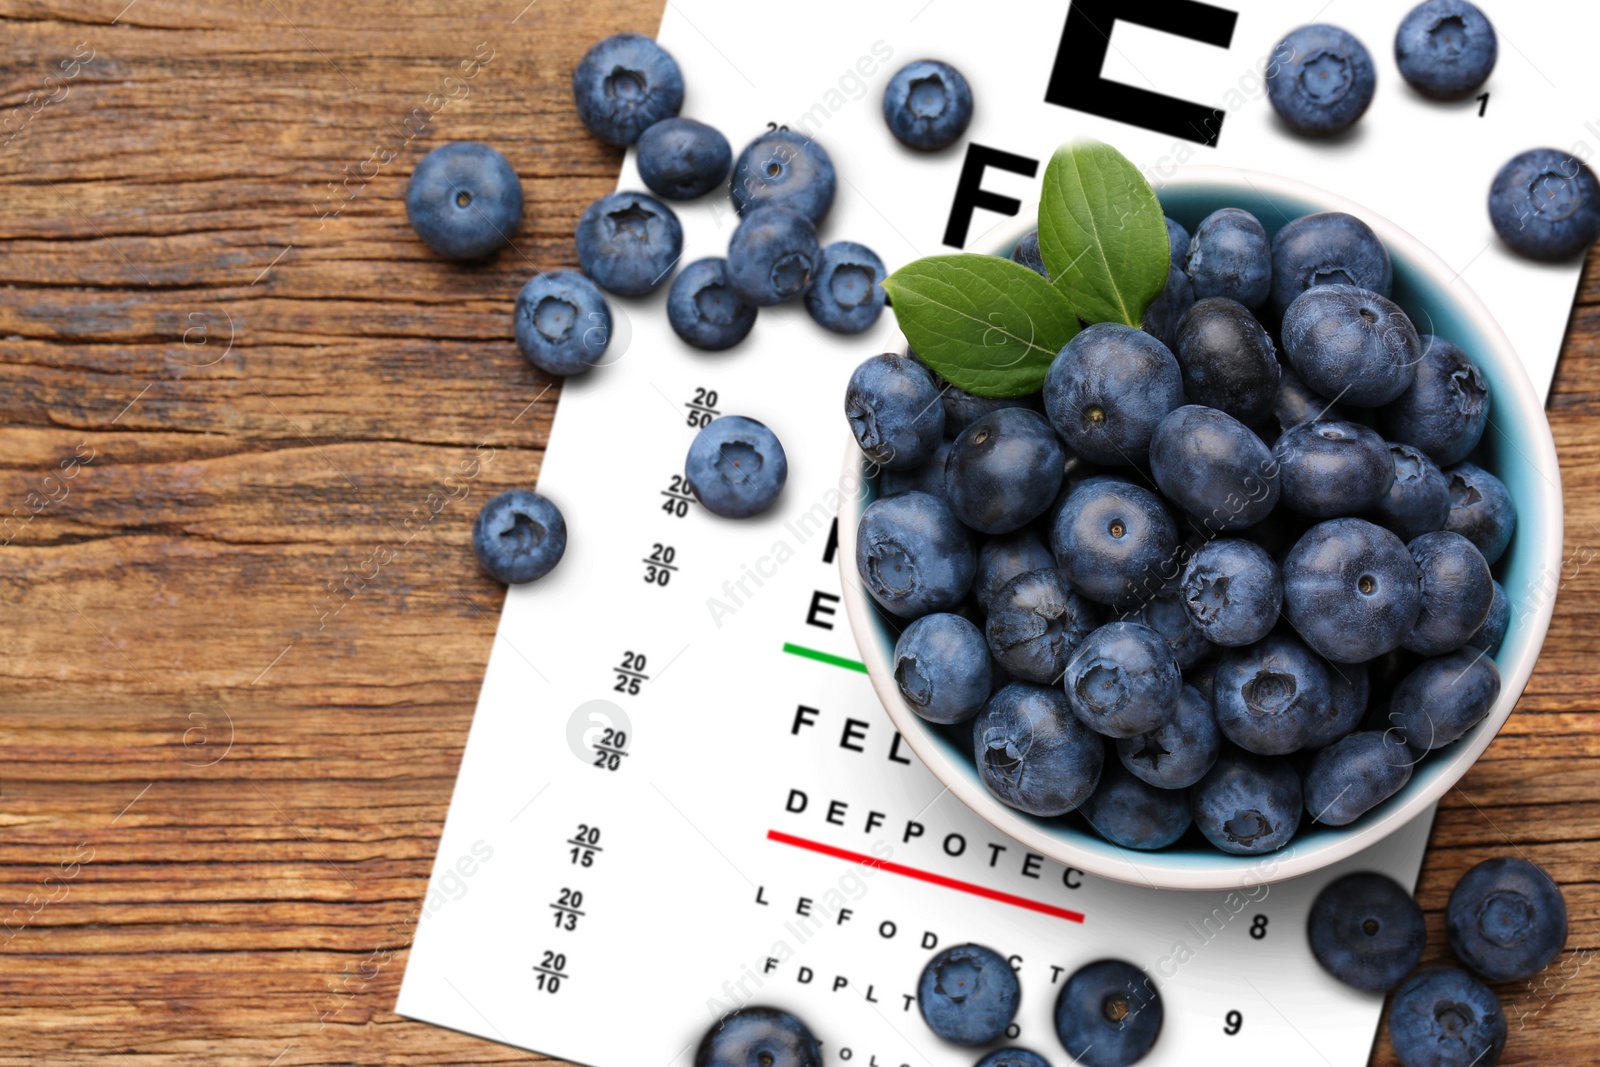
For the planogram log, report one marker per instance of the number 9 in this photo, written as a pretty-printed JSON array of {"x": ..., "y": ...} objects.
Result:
[{"x": 1234, "y": 1021}]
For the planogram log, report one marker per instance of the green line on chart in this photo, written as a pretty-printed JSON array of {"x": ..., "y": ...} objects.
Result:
[{"x": 823, "y": 657}]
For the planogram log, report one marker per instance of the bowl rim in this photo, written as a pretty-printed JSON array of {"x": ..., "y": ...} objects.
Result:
[{"x": 1184, "y": 871}]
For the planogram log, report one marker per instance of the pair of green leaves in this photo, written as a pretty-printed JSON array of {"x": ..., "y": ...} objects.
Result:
[{"x": 992, "y": 327}]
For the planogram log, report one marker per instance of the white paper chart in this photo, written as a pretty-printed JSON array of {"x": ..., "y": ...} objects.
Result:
[{"x": 680, "y": 793}]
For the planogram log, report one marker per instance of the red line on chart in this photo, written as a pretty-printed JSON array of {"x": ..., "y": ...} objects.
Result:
[{"x": 924, "y": 876}]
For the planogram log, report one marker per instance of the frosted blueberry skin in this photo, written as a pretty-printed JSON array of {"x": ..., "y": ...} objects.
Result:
[
  {"x": 1134, "y": 814},
  {"x": 1122, "y": 680},
  {"x": 1446, "y": 49},
  {"x": 1480, "y": 509},
  {"x": 1004, "y": 470},
  {"x": 736, "y": 467},
  {"x": 1032, "y": 752},
  {"x": 1352, "y": 346},
  {"x": 1350, "y": 689},
  {"x": 759, "y": 1037},
  {"x": 1179, "y": 752},
  {"x": 624, "y": 85},
  {"x": 1232, "y": 591},
  {"x": 1269, "y": 696},
  {"x": 1108, "y": 1014},
  {"x": 1165, "y": 614},
  {"x": 1493, "y": 631},
  {"x": 773, "y": 257},
  {"x": 1352, "y": 776},
  {"x": 1332, "y": 468},
  {"x": 927, "y": 105},
  {"x": 1215, "y": 468},
  {"x": 941, "y": 664},
  {"x": 629, "y": 243},
  {"x": 892, "y": 403},
  {"x": 1035, "y": 623},
  {"x": 1366, "y": 931},
  {"x": 1507, "y": 919},
  {"x": 519, "y": 536},
  {"x": 464, "y": 200},
  {"x": 1230, "y": 256},
  {"x": 1247, "y": 805},
  {"x": 703, "y": 309},
  {"x": 1419, "y": 500},
  {"x": 1321, "y": 80},
  {"x": 1446, "y": 409},
  {"x": 1351, "y": 590},
  {"x": 782, "y": 168},
  {"x": 1329, "y": 248},
  {"x": 1114, "y": 541},
  {"x": 1545, "y": 205},
  {"x": 1444, "y": 1017},
  {"x": 562, "y": 323},
  {"x": 1002, "y": 558},
  {"x": 682, "y": 159},
  {"x": 1443, "y": 698},
  {"x": 1108, "y": 389},
  {"x": 1228, "y": 360},
  {"x": 847, "y": 296},
  {"x": 913, "y": 555},
  {"x": 1457, "y": 593}
]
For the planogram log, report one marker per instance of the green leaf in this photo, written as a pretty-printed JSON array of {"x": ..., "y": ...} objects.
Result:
[
  {"x": 988, "y": 325},
  {"x": 1102, "y": 234}
]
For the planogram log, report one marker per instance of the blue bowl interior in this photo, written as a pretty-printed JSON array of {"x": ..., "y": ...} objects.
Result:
[{"x": 1507, "y": 450}]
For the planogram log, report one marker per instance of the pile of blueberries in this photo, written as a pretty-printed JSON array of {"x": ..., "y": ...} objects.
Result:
[{"x": 1192, "y": 582}]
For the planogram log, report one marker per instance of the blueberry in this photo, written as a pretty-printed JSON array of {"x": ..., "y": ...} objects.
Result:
[
  {"x": 464, "y": 200},
  {"x": 682, "y": 159},
  {"x": 1231, "y": 256},
  {"x": 1108, "y": 1014},
  {"x": 1351, "y": 590},
  {"x": 519, "y": 536},
  {"x": 1480, "y": 509},
  {"x": 1228, "y": 360},
  {"x": 1419, "y": 500},
  {"x": 848, "y": 295},
  {"x": 1493, "y": 630},
  {"x": 941, "y": 665},
  {"x": 1114, "y": 541},
  {"x": 1271, "y": 695},
  {"x": 1033, "y": 753},
  {"x": 1108, "y": 390},
  {"x": 562, "y": 323},
  {"x": 1178, "y": 753},
  {"x": 1333, "y": 468},
  {"x": 1366, "y": 931},
  {"x": 927, "y": 478},
  {"x": 928, "y": 105},
  {"x": 773, "y": 257},
  {"x": 1026, "y": 252},
  {"x": 1352, "y": 776},
  {"x": 1134, "y": 814},
  {"x": 1004, "y": 470},
  {"x": 894, "y": 411},
  {"x": 1447, "y": 407},
  {"x": 629, "y": 242},
  {"x": 1178, "y": 241},
  {"x": 1013, "y": 1057},
  {"x": 1247, "y": 805},
  {"x": 1232, "y": 591},
  {"x": 703, "y": 309},
  {"x": 968, "y": 995},
  {"x": 1002, "y": 558},
  {"x": 914, "y": 555},
  {"x": 1351, "y": 345},
  {"x": 1457, "y": 592},
  {"x": 1320, "y": 80},
  {"x": 1297, "y": 402},
  {"x": 1443, "y": 698},
  {"x": 1545, "y": 205},
  {"x": 1444, "y": 1017},
  {"x": 1330, "y": 248},
  {"x": 624, "y": 85},
  {"x": 1165, "y": 313},
  {"x": 1035, "y": 623},
  {"x": 1211, "y": 465},
  {"x": 1350, "y": 689},
  {"x": 1446, "y": 49},
  {"x": 736, "y": 467},
  {"x": 782, "y": 168},
  {"x": 1507, "y": 919},
  {"x": 1122, "y": 680},
  {"x": 1165, "y": 614}
]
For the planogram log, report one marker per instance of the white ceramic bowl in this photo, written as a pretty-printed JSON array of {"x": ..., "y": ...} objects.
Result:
[{"x": 1517, "y": 447}]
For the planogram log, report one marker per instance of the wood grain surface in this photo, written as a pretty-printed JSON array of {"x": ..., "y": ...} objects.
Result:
[{"x": 231, "y": 382}]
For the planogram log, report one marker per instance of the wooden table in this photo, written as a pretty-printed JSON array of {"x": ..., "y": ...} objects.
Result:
[{"x": 230, "y": 376}]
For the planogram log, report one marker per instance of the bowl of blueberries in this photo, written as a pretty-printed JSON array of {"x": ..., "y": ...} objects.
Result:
[{"x": 1239, "y": 592}]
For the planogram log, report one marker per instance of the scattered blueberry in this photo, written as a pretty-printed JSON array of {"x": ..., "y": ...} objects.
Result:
[
  {"x": 1351, "y": 590},
  {"x": 1035, "y": 623},
  {"x": 1033, "y": 753},
  {"x": 1271, "y": 695},
  {"x": 736, "y": 467},
  {"x": 1231, "y": 256},
  {"x": 1355, "y": 774},
  {"x": 1004, "y": 470},
  {"x": 1114, "y": 541},
  {"x": 624, "y": 85},
  {"x": 1507, "y": 919},
  {"x": 519, "y": 536},
  {"x": 1350, "y": 689},
  {"x": 629, "y": 242},
  {"x": 1419, "y": 500},
  {"x": 1366, "y": 931},
  {"x": 782, "y": 168},
  {"x": 847, "y": 296},
  {"x": 1122, "y": 680},
  {"x": 703, "y": 309},
  {"x": 1457, "y": 592},
  {"x": 1165, "y": 614},
  {"x": 1003, "y": 558},
  {"x": 1233, "y": 592},
  {"x": 682, "y": 159},
  {"x": 1013, "y": 1057},
  {"x": 562, "y": 323},
  {"x": 1228, "y": 360},
  {"x": 1480, "y": 509},
  {"x": 1493, "y": 630},
  {"x": 893, "y": 406},
  {"x": 1247, "y": 805},
  {"x": 773, "y": 257},
  {"x": 914, "y": 556},
  {"x": 1444, "y": 1017},
  {"x": 941, "y": 665},
  {"x": 1447, "y": 407},
  {"x": 1446, "y": 49},
  {"x": 1108, "y": 1014},
  {"x": 1352, "y": 346},
  {"x": 1331, "y": 248},
  {"x": 1130, "y": 812},
  {"x": 1212, "y": 465},
  {"x": 1332, "y": 468},
  {"x": 1545, "y": 205},
  {"x": 1108, "y": 390},
  {"x": 1321, "y": 80},
  {"x": 464, "y": 200},
  {"x": 1443, "y": 698},
  {"x": 968, "y": 995},
  {"x": 1178, "y": 753},
  {"x": 928, "y": 105}
]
